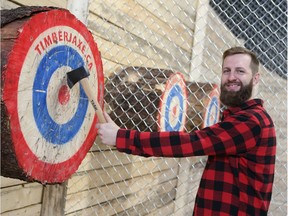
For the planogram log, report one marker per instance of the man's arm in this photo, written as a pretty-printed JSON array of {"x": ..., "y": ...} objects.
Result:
[{"x": 234, "y": 136}]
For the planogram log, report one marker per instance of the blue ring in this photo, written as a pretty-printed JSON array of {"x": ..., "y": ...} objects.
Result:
[
  {"x": 176, "y": 91},
  {"x": 214, "y": 102},
  {"x": 50, "y": 130}
]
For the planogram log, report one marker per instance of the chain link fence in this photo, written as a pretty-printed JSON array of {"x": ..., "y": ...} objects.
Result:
[{"x": 143, "y": 44}]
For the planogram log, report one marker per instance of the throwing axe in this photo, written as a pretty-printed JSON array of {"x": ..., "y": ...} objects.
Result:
[{"x": 81, "y": 75}]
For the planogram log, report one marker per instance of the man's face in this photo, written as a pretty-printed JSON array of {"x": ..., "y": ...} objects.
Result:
[{"x": 237, "y": 80}]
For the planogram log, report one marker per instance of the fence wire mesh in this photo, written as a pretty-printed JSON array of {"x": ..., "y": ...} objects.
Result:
[{"x": 142, "y": 44}]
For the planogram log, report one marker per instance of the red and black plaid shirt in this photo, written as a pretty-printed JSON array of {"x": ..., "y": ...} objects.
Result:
[{"x": 239, "y": 173}]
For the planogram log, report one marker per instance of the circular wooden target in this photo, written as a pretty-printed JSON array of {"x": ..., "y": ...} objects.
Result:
[
  {"x": 52, "y": 126},
  {"x": 173, "y": 105}
]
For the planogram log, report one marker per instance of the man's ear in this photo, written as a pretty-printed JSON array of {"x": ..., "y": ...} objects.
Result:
[{"x": 256, "y": 78}]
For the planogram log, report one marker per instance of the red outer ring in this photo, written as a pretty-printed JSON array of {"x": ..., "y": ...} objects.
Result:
[{"x": 31, "y": 165}]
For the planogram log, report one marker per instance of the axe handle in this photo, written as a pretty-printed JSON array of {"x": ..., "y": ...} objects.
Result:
[{"x": 86, "y": 87}]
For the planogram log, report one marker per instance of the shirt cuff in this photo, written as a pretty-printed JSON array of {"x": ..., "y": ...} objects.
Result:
[{"x": 125, "y": 141}]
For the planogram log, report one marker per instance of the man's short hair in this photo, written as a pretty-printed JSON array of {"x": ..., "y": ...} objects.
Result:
[{"x": 254, "y": 65}]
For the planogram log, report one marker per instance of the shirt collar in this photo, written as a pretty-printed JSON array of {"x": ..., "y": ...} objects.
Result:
[{"x": 246, "y": 105}]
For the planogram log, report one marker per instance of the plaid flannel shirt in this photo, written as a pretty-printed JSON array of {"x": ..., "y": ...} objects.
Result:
[{"x": 239, "y": 173}]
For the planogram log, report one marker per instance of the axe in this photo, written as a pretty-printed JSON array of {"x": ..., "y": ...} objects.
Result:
[{"x": 80, "y": 74}]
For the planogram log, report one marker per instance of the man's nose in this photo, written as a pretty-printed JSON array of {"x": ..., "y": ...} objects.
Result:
[{"x": 231, "y": 76}]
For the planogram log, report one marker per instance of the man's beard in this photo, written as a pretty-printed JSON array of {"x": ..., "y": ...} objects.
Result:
[{"x": 236, "y": 98}]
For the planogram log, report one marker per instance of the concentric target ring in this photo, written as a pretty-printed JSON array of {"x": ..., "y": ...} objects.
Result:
[
  {"x": 50, "y": 130},
  {"x": 173, "y": 106}
]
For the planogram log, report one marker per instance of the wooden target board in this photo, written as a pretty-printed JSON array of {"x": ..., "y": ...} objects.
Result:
[
  {"x": 51, "y": 127},
  {"x": 173, "y": 105}
]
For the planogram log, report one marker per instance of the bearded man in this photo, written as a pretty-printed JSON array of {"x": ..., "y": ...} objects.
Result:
[{"x": 241, "y": 148}]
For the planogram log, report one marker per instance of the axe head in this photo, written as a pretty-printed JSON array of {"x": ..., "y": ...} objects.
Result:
[{"x": 76, "y": 75}]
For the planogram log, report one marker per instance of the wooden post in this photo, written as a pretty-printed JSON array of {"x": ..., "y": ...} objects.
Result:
[
  {"x": 196, "y": 67},
  {"x": 79, "y": 9},
  {"x": 53, "y": 202},
  {"x": 182, "y": 206},
  {"x": 204, "y": 98}
]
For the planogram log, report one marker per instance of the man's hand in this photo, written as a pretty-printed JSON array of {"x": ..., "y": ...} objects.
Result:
[{"x": 108, "y": 131}]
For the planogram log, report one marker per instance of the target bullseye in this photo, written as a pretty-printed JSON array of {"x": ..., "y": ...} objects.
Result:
[{"x": 63, "y": 95}]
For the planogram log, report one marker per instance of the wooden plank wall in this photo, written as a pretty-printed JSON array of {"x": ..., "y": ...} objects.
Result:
[
  {"x": 133, "y": 33},
  {"x": 109, "y": 182},
  {"x": 20, "y": 198},
  {"x": 118, "y": 31},
  {"x": 136, "y": 33}
]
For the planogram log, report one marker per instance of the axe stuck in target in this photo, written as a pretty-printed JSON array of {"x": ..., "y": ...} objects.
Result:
[{"x": 81, "y": 75}]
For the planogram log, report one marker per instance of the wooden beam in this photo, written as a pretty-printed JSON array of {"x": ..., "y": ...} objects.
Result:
[
  {"x": 54, "y": 199},
  {"x": 79, "y": 9},
  {"x": 183, "y": 184},
  {"x": 198, "y": 48}
]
